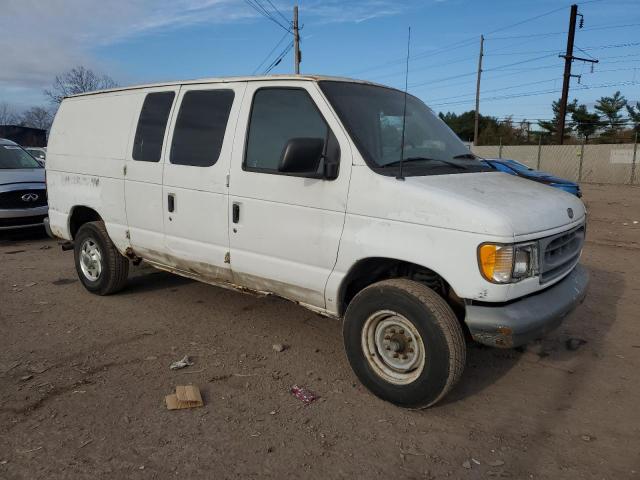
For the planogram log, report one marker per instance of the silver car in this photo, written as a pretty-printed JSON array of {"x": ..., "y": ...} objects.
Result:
[
  {"x": 23, "y": 193},
  {"x": 39, "y": 153}
]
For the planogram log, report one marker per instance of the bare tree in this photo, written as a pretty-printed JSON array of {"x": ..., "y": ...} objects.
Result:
[
  {"x": 77, "y": 80},
  {"x": 7, "y": 115},
  {"x": 37, "y": 117}
]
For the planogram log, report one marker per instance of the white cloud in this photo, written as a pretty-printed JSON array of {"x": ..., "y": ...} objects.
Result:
[
  {"x": 355, "y": 11},
  {"x": 42, "y": 38}
]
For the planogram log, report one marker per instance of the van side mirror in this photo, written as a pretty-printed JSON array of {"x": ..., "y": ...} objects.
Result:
[
  {"x": 301, "y": 155},
  {"x": 330, "y": 170}
]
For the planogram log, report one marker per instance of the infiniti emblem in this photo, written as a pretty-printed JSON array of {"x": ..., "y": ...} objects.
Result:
[
  {"x": 570, "y": 212},
  {"x": 29, "y": 197}
]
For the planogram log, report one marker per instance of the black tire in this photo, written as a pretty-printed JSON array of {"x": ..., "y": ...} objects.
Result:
[
  {"x": 114, "y": 267},
  {"x": 439, "y": 331}
]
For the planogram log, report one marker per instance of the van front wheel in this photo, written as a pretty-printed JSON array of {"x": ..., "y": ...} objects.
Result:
[
  {"x": 101, "y": 268},
  {"x": 404, "y": 342}
]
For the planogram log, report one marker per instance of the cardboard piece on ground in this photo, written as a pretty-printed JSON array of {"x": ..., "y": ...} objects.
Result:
[{"x": 186, "y": 396}]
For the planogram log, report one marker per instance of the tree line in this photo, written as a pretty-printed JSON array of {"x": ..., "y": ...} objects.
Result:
[{"x": 613, "y": 120}]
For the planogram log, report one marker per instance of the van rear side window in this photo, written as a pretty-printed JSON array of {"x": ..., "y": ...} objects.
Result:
[
  {"x": 200, "y": 127},
  {"x": 147, "y": 146}
]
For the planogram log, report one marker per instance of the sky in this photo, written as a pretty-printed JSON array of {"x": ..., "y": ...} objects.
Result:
[{"x": 142, "y": 41}]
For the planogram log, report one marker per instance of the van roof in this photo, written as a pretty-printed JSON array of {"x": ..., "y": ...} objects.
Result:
[{"x": 308, "y": 78}]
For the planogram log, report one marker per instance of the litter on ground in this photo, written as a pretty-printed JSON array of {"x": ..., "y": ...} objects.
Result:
[
  {"x": 182, "y": 363},
  {"x": 186, "y": 396},
  {"x": 304, "y": 394}
]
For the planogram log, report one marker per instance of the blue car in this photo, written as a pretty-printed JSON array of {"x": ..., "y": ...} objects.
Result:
[{"x": 513, "y": 167}]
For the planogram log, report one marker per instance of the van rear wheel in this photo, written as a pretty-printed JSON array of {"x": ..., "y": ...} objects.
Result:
[
  {"x": 404, "y": 342},
  {"x": 101, "y": 268}
]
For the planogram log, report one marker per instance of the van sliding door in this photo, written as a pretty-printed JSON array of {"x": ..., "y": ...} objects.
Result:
[{"x": 195, "y": 194}]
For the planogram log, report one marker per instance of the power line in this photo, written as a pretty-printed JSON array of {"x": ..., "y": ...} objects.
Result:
[
  {"x": 617, "y": 70},
  {"x": 258, "y": 7},
  {"x": 595, "y": 47},
  {"x": 286, "y": 34},
  {"x": 426, "y": 54},
  {"x": 621, "y": 56},
  {"x": 492, "y": 76},
  {"x": 585, "y": 52},
  {"x": 460, "y": 44},
  {"x": 529, "y": 35},
  {"x": 504, "y": 88},
  {"x": 540, "y": 92},
  {"x": 279, "y": 58},
  {"x": 286, "y": 20},
  {"x": 500, "y": 67},
  {"x": 444, "y": 79},
  {"x": 424, "y": 67},
  {"x": 549, "y": 34},
  {"x": 470, "y": 82}
]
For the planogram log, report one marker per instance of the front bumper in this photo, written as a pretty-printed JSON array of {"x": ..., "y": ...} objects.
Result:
[
  {"x": 11, "y": 219},
  {"x": 527, "y": 319}
]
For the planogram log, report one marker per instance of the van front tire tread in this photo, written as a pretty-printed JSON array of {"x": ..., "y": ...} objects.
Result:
[{"x": 438, "y": 325}]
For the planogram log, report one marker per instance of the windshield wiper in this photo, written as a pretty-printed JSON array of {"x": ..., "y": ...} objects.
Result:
[
  {"x": 466, "y": 155},
  {"x": 424, "y": 159}
]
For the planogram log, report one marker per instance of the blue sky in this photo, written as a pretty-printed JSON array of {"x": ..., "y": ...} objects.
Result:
[{"x": 140, "y": 41}]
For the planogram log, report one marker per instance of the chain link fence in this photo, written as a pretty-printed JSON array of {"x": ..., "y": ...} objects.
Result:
[{"x": 613, "y": 164}]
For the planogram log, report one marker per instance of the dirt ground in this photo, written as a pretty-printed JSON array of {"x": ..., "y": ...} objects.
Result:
[{"x": 83, "y": 378}]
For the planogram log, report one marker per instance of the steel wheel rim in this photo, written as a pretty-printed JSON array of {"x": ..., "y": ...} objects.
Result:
[
  {"x": 393, "y": 347},
  {"x": 90, "y": 259}
]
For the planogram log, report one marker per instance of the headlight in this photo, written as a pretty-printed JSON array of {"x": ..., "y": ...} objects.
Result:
[{"x": 501, "y": 263}]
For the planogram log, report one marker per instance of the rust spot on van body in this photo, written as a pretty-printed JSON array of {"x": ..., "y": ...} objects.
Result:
[
  {"x": 501, "y": 338},
  {"x": 223, "y": 277}
]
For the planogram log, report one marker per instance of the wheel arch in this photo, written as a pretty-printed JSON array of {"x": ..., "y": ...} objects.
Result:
[
  {"x": 370, "y": 270},
  {"x": 79, "y": 215}
]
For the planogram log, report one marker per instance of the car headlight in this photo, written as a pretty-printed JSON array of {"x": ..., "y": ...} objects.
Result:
[{"x": 500, "y": 263}]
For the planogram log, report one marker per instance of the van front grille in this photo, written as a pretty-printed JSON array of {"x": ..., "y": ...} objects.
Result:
[{"x": 560, "y": 253}]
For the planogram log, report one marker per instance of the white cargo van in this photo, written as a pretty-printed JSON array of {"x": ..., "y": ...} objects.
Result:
[{"x": 319, "y": 190}]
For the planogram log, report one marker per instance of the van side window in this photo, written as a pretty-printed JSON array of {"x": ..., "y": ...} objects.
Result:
[
  {"x": 277, "y": 116},
  {"x": 200, "y": 127},
  {"x": 147, "y": 146}
]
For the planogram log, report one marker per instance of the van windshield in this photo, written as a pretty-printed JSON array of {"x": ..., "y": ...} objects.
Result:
[
  {"x": 14, "y": 157},
  {"x": 373, "y": 116}
]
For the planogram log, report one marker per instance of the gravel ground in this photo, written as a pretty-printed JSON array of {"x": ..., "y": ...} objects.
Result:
[{"x": 83, "y": 378}]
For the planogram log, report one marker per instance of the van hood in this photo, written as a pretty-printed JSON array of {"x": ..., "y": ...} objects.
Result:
[
  {"x": 492, "y": 203},
  {"x": 21, "y": 175}
]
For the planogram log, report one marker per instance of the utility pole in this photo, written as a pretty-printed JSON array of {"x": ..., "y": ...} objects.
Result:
[
  {"x": 568, "y": 60},
  {"x": 297, "y": 56},
  {"x": 476, "y": 126}
]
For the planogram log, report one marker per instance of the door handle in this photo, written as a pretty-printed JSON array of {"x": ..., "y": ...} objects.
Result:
[
  {"x": 236, "y": 213},
  {"x": 171, "y": 202}
]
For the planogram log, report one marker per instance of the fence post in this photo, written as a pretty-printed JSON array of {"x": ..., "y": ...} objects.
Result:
[
  {"x": 539, "y": 151},
  {"x": 581, "y": 160},
  {"x": 500, "y": 149},
  {"x": 635, "y": 155}
]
